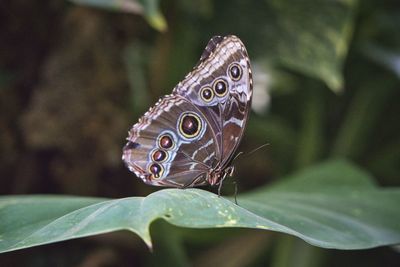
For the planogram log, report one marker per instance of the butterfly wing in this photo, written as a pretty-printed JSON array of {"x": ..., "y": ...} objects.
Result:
[
  {"x": 196, "y": 129},
  {"x": 171, "y": 145},
  {"x": 221, "y": 88}
]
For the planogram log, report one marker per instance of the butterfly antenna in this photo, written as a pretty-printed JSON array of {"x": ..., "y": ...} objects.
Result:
[
  {"x": 237, "y": 155},
  {"x": 249, "y": 153},
  {"x": 258, "y": 148}
]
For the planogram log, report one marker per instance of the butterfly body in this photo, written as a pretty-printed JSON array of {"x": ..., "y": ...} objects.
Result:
[{"x": 189, "y": 137}]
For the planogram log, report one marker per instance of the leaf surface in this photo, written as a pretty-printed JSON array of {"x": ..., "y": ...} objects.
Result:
[{"x": 332, "y": 205}]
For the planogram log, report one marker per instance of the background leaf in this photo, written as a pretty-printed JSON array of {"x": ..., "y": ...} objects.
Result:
[
  {"x": 299, "y": 28},
  {"x": 150, "y": 9}
]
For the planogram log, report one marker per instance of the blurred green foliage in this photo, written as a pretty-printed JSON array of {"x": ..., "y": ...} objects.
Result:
[{"x": 74, "y": 78}]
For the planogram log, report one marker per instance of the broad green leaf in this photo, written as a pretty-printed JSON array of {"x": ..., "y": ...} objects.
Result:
[
  {"x": 334, "y": 205},
  {"x": 150, "y": 9}
]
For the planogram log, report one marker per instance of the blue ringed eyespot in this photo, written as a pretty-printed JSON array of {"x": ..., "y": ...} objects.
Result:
[
  {"x": 159, "y": 155},
  {"x": 189, "y": 125},
  {"x": 165, "y": 141},
  {"x": 156, "y": 170}
]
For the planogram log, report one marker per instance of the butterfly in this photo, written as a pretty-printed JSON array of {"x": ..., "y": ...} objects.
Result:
[{"x": 189, "y": 138}]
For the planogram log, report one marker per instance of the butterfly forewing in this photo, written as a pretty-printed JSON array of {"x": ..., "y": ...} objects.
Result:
[{"x": 225, "y": 69}]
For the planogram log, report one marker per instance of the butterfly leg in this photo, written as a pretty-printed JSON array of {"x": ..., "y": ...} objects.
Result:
[
  {"x": 228, "y": 172},
  {"x": 220, "y": 184},
  {"x": 235, "y": 194},
  {"x": 236, "y": 189}
]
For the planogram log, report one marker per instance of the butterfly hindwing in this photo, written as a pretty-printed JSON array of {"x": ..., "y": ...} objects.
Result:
[{"x": 171, "y": 145}]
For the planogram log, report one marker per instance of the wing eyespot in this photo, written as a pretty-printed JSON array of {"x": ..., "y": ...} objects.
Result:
[
  {"x": 189, "y": 125},
  {"x": 159, "y": 155},
  {"x": 166, "y": 141},
  {"x": 235, "y": 71},
  {"x": 156, "y": 170},
  {"x": 206, "y": 94},
  {"x": 220, "y": 87}
]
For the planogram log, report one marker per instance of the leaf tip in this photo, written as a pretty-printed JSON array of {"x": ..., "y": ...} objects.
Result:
[
  {"x": 335, "y": 83},
  {"x": 158, "y": 22}
]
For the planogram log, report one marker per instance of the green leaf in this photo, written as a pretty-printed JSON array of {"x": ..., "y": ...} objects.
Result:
[
  {"x": 334, "y": 205},
  {"x": 153, "y": 14},
  {"x": 313, "y": 37},
  {"x": 309, "y": 36},
  {"x": 149, "y": 8}
]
